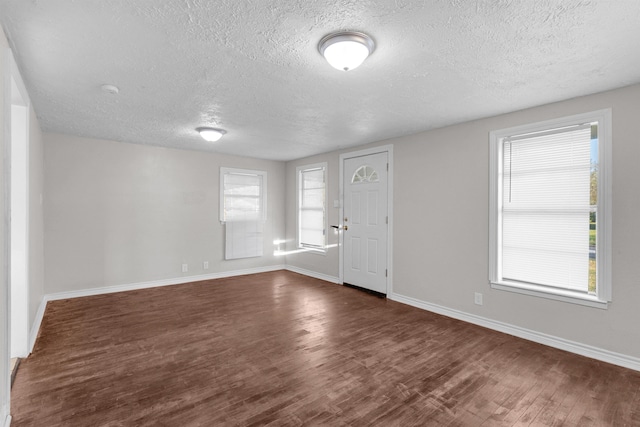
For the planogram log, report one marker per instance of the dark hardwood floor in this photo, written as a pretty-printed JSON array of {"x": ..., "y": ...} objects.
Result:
[{"x": 283, "y": 349}]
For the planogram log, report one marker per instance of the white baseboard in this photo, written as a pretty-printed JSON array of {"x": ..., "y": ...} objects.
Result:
[
  {"x": 134, "y": 286},
  {"x": 35, "y": 328},
  {"x": 157, "y": 283},
  {"x": 313, "y": 274},
  {"x": 550, "y": 340}
]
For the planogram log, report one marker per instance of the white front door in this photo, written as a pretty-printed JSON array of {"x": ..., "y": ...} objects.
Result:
[{"x": 365, "y": 221}]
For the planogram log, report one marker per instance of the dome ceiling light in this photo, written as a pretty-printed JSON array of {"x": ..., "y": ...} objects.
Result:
[
  {"x": 211, "y": 134},
  {"x": 110, "y": 89},
  {"x": 346, "y": 50}
]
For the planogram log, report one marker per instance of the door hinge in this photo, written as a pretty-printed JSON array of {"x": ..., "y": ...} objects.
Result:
[
  {"x": 387, "y": 220},
  {"x": 386, "y": 273},
  {"x": 387, "y": 167}
]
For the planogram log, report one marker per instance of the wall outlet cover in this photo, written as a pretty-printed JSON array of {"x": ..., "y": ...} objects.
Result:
[{"x": 478, "y": 298}]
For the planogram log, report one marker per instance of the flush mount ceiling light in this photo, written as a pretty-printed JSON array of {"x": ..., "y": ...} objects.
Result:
[
  {"x": 110, "y": 89},
  {"x": 346, "y": 50},
  {"x": 211, "y": 134}
]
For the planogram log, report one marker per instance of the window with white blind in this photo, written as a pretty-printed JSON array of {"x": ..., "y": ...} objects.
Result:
[
  {"x": 311, "y": 206},
  {"x": 550, "y": 230},
  {"x": 242, "y": 195}
]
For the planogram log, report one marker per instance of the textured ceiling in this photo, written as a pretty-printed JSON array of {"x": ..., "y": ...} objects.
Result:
[{"x": 252, "y": 67}]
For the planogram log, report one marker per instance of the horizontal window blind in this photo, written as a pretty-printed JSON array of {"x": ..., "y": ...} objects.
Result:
[
  {"x": 545, "y": 208},
  {"x": 242, "y": 197},
  {"x": 312, "y": 208}
]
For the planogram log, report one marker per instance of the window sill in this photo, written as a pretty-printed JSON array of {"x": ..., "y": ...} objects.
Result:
[
  {"x": 554, "y": 294},
  {"x": 304, "y": 249}
]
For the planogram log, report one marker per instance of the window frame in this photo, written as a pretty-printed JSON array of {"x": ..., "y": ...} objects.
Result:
[
  {"x": 299, "y": 170},
  {"x": 604, "y": 218},
  {"x": 263, "y": 193}
]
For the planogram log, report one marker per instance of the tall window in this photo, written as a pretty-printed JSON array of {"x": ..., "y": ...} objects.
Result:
[
  {"x": 550, "y": 209},
  {"x": 311, "y": 206},
  {"x": 242, "y": 195}
]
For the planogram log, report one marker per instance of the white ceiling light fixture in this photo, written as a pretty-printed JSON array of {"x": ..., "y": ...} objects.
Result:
[
  {"x": 346, "y": 50},
  {"x": 211, "y": 134},
  {"x": 110, "y": 89}
]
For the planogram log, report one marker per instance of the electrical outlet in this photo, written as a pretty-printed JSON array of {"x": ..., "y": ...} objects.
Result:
[
  {"x": 205, "y": 265},
  {"x": 185, "y": 268},
  {"x": 478, "y": 298}
]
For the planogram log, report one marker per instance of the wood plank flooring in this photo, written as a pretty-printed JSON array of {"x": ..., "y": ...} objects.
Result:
[{"x": 281, "y": 349}]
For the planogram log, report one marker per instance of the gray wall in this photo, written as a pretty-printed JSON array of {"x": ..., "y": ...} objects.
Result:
[
  {"x": 441, "y": 185},
  {"x": 36, "y": 219},
  {"x": 119, "y": 213},
  {"x": 325, "y": 264}
]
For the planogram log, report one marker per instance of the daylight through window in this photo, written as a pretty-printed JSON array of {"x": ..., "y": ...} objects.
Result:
[
  {"x": 242, "y": 195},
  {"x": 547, "y": 208},
  {"x": 311, "y": 207}
]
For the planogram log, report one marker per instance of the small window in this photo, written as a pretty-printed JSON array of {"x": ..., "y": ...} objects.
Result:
[
  {"x": 242, "y": 195},
  {"x": 364, "y": 174},
  {"x": 550, "y": 209},
  {"x": 312, "y": 207}
]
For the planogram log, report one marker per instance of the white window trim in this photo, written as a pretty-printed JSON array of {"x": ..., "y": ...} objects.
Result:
[
  {"x": 263, "y": 204},
  {"x": 604, "y": 229},
  {"x": 299, "y": 169}
]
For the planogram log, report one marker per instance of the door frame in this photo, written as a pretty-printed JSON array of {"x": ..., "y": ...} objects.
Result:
[
  {"x": 375, "y": 150},
  {"x": 18, "y": 292}
]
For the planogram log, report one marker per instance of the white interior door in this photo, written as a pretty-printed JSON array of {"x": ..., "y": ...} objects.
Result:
[{"x": 365, "y": 221}]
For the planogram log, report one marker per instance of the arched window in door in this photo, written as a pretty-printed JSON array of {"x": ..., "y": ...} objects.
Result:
[{"x": 364, "y": 174}]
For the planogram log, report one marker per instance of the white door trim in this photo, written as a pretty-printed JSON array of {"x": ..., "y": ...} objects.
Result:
[
  {"x": 375, "y": 150},
  {"x": 5, "y": 295},
  {"x": 19, "y": 214}
]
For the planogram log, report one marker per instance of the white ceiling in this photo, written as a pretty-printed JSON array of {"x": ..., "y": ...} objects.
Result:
[{"x": 252, "y": 67}]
